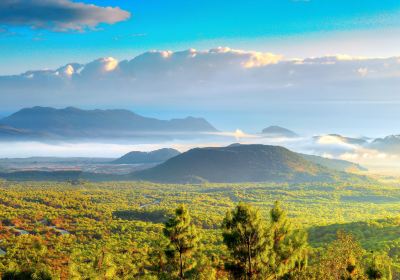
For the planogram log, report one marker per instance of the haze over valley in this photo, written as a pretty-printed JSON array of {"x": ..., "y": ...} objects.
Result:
[{"x": 73, "y": 132}]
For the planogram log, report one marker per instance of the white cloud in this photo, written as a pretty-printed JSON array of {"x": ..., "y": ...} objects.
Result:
[
  {"x": 331, "y": 139},
  {"x": 205, "y": 79},
  {"x": 58, "y": 15},
  {"x": 258, "y": 59},
  {"x": 345, "y": 57},
  {"x": 238, "y": 134}
]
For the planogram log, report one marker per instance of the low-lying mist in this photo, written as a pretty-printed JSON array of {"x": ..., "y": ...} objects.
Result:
[{"x": 326, "y": 146}]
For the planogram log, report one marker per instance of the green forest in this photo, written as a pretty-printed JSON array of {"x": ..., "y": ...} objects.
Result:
[{"x": 139, "y": 230}]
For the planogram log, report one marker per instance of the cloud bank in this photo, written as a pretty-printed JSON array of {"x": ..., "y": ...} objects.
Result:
[
  {"x": 57, "y": 15},
  {"x": 344, "y": 94},
  {"x": 235, "y": 77}
]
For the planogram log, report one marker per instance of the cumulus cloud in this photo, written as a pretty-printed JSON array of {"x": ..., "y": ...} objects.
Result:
[
  {"x": 58, "y": 15},
  {"x": 206, "y": 79},
  {"x": 253, "y": 59},
  {"x": 99, "y": 67}
]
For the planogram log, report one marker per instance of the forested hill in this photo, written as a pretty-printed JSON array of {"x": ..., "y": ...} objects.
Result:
[
  {"x": 137, "y": 157},
  {"x": 242, "y": 163}
]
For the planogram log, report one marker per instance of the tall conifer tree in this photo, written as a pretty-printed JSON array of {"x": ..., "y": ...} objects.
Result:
[
  {"x": 245, "y": 236},
  {"x": 288, "y": 248},
  {"x": 183, "y": 239}
]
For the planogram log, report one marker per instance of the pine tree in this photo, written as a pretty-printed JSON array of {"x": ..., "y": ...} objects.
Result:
[
  {"x": 342, "y": 259},
  {"x": 289, "y": 246},
  {"x": 379, "y": 267},
  {"x": 244, "y": 235},
  {"x": 183, "y": 239}
]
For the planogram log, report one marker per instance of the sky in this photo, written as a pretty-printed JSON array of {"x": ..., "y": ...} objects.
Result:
[
  {"x": 294, "y": 28},
  {"x": 312, "y": 65}
]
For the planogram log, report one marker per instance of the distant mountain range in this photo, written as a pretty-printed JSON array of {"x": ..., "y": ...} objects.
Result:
[
  {"x": 348, "y": 140},
  {"x": 389, "y": 144},
  {"x": 278, "y": 131},
  {"x": 243, "y": 163},
  {"x": 157, "y": 156},
  {"x": 59, "y": 176},
  {"x": 46, "y": 122},
  {"x": 335, "y": 164}
]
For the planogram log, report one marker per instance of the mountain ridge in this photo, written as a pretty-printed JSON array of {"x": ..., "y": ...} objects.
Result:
[
  {"x": 388, "y": 144},
  {"x": 78, "y": 123}
]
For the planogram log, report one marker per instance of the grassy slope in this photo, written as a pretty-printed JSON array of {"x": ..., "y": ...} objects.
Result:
[{"x": 243, "y": 163}]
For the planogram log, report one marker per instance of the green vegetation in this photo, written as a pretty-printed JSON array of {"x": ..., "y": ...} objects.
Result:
[
  {"x": 130, "y": 230},
  {"x": 156, "y": 156},
  {"x": 247, "y": 240},
  {"x": 288, "y": 251},
  {"x": 182, "y": 240},
  {"x": 247, "y": 163}
]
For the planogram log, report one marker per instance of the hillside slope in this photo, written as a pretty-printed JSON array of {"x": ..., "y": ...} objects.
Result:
[
  {"x": 156, "y": 156},
  {"x": 241, "y": 163},
  {"x": 335, "y": 164}
]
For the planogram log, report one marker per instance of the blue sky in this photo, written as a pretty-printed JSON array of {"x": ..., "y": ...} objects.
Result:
[
  {"x": 295, "y": 28},
  {"x": 255, "y": 82}
]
